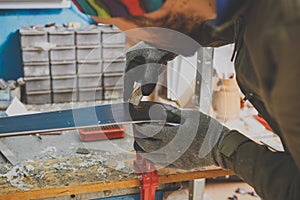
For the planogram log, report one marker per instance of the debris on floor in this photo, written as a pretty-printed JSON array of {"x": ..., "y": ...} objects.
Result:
[
  {"x": 233, "y": 197},
  {"x": 245, "y": 192},
  {"x": 235, "y": 190}
]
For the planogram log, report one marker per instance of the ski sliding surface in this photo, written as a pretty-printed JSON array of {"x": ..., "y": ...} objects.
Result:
[{"x": 111, "y": 114}]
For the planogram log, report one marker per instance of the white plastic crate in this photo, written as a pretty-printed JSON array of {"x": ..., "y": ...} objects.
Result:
[
  {"x": 61, "y": 96},
  {"x": 90, "y": 94},
  {"x": 89, "y": 80},
  {"x": 113, "y": 66},
  {"x": 59, "y": 68},
  {"x": 31, "y": 36},
  {"x": 62, "y": 37},
  {"x": 113, "y": 93},
  {"x": 38, "y": 97},
  {"x": 62, "y": 53},
  {"x": 110, "y": 52},
  {"x": 33, "y": 54},
  {"x": 64, "y": 82},
  {"x": 88, "y": 36},
  {"x": 88, "y": 52},
  {"x": 89, "y": 67},
  {"x": 37, "y": 83},
  {"x": 112, "y": 35},
  {"x": 36, "y": 69},
  {"x": 115, "y": 79}
]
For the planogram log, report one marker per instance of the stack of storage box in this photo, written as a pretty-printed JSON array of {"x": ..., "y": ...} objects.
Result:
[
  {"x": 89, "y": 64},
  {"x": 113, "y": 55},
  {"x": 64, "y": 65},
  {"x": 35, "y": 65}
]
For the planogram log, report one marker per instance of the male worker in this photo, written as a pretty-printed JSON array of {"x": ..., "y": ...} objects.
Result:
[{"x": 266, "y": 36}]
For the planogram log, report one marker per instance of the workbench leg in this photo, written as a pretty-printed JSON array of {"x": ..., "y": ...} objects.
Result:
[{"x": 196, "y": 189}]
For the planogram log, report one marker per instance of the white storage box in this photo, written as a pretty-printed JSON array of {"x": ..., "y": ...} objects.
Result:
[
  {"x": 62, "y": 96},
  {"x": 89, "y": 67},
  {"x": 88, "y": 36},
  {"x": 113, "y": 66},
  {"x": 62, "y": 37},
  {"x": 113, "y": 35},
  {"x": 89, "y": 80},
  {"x": 112, "y": 52},
  {"x": 59, "y": 68},
  {"x": 38, "y": 97},
  {"x": 33, "y": 54},
  {"x": 31, "y": 36},
  {"x": 64, "y": 82},
  {"x": 88, "y": 52},
  {"x": 37, "y": 83},
  {"x": 116, "y": 79},
  {"x": 36, "y": 69},
  {"x": 90, "y": 94},
  {"x": 62, "y": 53},
  {"x": 113, "y": 93}
]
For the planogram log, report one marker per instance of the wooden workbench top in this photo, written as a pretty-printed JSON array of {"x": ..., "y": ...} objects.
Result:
[{"x": 85, "y": 174}]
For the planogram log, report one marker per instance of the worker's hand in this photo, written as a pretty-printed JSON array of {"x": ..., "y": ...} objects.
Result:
[
  {"x": 144, "y": 64},
  {"x": 190, "y": 145}
]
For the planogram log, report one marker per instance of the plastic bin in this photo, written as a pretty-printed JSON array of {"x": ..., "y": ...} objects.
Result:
[
  {"x": 89, "y": 80},
  {"x": 31, "y": 36},
  {"x": 37, "y": 83},
  {"x": 62, "y": 37},
  {"x": 64, "y": 82},
  {"x": 33, "y": 54},
  {"x": 63, "y": 68},
  {"x": 62, "y": 96},
  {"x": 62, "y": 53},
  {"x": 36, "y": 69},
  {"x": 89, "y": 67},
  {"x": 113, "y": 66},
  {"x": 88, "y": 36},
  {"x": 116, "y": 79},
  {"x": 38, "y": 97},
  {"x": 90, "y": 94},
  {"x": 113, "y": 35},
  {"x": 113, "y": 93},
  {"x": 88, "y": 52},
  {"x": 110, "y": 52}
]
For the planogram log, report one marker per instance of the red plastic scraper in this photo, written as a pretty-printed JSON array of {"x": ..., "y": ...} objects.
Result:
[
  {"x": 148, "y": 177},
  {"x": 102, "y": 132}
]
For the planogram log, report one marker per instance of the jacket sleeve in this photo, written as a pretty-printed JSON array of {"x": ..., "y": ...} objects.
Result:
[
  {"x": 210, "y": 36},
  {"x": 276, "y": 175},
  {"x": 201, "y": 35}
]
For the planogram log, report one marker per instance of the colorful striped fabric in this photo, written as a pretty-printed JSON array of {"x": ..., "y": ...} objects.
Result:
[{"x": 117, "y": 8}]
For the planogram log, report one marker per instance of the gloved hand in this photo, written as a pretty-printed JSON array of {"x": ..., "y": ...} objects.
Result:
[
  {"x": 144, "y": 64},
  {"x": 193, "y": 144}
]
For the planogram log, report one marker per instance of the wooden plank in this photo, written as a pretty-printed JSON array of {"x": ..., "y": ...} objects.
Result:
[{"x": 96, "y": 187}]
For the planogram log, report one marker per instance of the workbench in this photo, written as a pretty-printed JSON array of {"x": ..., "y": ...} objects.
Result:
[
  {"x": 64, "y": 181},
  {"x": 61, "y": 165}
]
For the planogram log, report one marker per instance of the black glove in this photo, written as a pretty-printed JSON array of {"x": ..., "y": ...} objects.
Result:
[
  {"x": 191, "y": 145},
  {"x": 144, "y": 64}
]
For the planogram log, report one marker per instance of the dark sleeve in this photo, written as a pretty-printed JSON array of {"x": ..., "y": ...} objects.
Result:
[
  {"x": 186, "y": 44},
  {"x": 210, "y": 36},
  {"x": 276, "y": 175}
]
